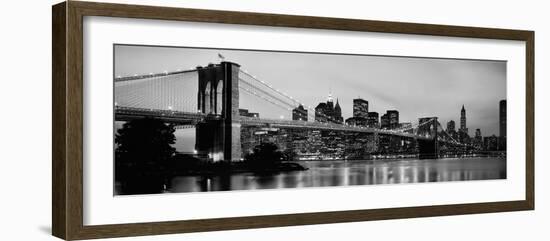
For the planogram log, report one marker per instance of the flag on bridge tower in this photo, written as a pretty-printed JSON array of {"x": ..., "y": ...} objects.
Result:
[{"x": 222, "y": 58}]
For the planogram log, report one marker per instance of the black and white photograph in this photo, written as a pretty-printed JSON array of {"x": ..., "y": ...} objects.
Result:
[
  {"x": 270, "y": 120},
  {"x": 190, "y": 119}
]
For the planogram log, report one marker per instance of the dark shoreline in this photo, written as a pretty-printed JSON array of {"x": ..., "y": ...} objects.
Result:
[
  {"x": 205, "y": 177},
  {"x": 228, "y": 168}
]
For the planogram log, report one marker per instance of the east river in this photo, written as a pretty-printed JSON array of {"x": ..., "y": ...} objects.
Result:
[{"x": 346, "y": 173}]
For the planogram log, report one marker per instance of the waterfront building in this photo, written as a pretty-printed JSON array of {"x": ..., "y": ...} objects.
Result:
[
  {"x": 394, "y": 118},
  {"x": 385, "y": 121},
  {"x": 390, "y": 120},
  {"x": 478, "y": 140},
  {"x": 372, "y": 120},
  {"x": 451, "y": 126},
  {"x": 333, "y": 145},
  {"x": 356, "y": 121},
  {"x": 360, "y": 108},
  {"x": 451, "y": 129},
  {"x": 320, "y": 112},
  {"x": 463, "y": 127},
  {"x": 338, "y": 113},
  {"x": 388, "y": 144},
  {"x": 490, "y": 143},
  {"x": 244, "y": 112},
  {"x": 463, "y": 131},
  {"x": 299, "y": 113},
  {"x": 328, "y": 112},
  {"x": 360, "y": 113},
  {"x": 360, "y": 145}
]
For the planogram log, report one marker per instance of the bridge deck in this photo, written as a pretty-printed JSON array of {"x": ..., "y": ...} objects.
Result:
[
  {"x": 187, "y": 118},
  {"x": 177, "y": 117},
  {"x": 251, "y": 121}
]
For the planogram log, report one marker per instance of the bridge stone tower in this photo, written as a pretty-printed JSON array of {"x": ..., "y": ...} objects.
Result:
[
  {"x": 219, "y": 136},
  {"x": 428, "y": 149}
]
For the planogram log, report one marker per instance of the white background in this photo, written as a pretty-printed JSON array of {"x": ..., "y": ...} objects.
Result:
[{"x": 25, "y": 101}]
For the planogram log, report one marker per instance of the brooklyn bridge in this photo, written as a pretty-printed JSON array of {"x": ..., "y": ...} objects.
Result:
[{"x": 207, "y": 98}]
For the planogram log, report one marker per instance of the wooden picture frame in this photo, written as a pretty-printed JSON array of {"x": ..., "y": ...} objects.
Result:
[{"x": 67, "y": 124}]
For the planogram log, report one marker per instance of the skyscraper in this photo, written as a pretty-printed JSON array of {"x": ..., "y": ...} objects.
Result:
[
  {"x": 385, "y": 121},
  {"x": 338, "y": 113},
  {"x": 478, "y": 140},
  {"x": 360, "y": 108},
  {"x": 451, "y": 126},
  {"x": 372, "y": 119},
  {"x": 299, "y": 113},
  {"x": 393, "y": 116},
  {"x": 320, "y": 112},
  {"x": 390, "y": 120},
  {"x": 463, "y": 127},
  {"x": 330, "y": 101},
  {"x": 360, "y": 112},
  {"x": 490, "y": 143},
  {"x": 478, "y": 133},
  {"x": 328, "y": 112},
  {"x": 502, "y": 118}
]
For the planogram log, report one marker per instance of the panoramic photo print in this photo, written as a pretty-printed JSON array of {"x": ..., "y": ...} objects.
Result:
[{"x": 205, "y": 120}]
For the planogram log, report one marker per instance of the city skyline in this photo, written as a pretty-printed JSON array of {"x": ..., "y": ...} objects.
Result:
[
  {"x": 221, "y": 120},
  {"x": 449, "y": 82}
]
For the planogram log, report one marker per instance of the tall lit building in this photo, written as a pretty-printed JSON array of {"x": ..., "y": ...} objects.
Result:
[
  {"x": 320, "y": 113},
  {"x": 360, "y": 112},
  {"x": 360, "y": 108},
  {"x": 338, "y": 113},
  {"x": 463, "y": 127},
  {"x": 299, "y": 113},
  {"x": 328, "y": 112},
  {"x": 390, "y": 120},
  {"x": 502, "y": 118}
]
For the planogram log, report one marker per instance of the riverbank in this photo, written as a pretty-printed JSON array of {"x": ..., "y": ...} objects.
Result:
[
  {"x": 405, "y": 156},
  {"x": 188, "y": 165},
  {"x": 349, "y": 173}
]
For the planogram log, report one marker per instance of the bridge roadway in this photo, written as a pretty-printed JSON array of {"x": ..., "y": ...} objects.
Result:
[
  {"x": 188, "y": 118},
  {"x": 170, "y": 116},
  {"x": 251, "y": 121}
]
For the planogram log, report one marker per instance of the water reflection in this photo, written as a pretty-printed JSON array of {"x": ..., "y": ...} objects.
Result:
[{"x": 345, "y": 173}]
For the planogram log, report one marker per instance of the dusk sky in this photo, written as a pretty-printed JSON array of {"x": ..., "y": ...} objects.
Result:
[{"x": 416, "y": 87}]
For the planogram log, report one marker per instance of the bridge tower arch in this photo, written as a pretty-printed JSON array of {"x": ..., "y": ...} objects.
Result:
[
  {"x": 219, "y": 98},
  {"x": 206, "y": 92},
  {"x": 219, "y": 136},
  {"x": 428, "y": 148}
]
